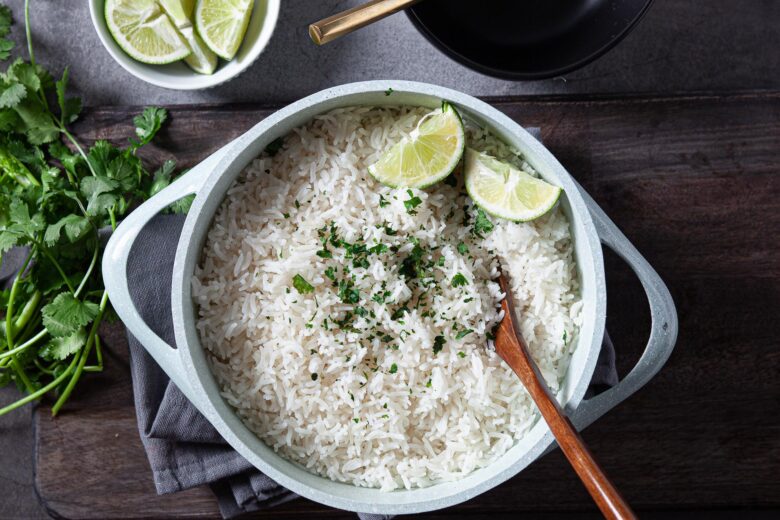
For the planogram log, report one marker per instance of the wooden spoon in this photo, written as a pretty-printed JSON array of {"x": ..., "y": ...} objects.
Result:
[
  {"x": 512, "y": 349},
  {"x": 350, "y": 20}
]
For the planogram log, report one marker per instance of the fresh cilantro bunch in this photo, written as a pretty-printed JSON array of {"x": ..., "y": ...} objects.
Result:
[{"x": 55, "y": 196}]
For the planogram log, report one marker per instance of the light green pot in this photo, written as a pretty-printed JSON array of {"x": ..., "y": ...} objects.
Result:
[{"x": 189, "y": 370}]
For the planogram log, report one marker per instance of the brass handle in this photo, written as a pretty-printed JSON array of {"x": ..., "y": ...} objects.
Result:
[{"x": 353, "y": 19}]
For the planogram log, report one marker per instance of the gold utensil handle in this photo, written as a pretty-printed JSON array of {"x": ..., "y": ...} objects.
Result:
[{"x": 350, "y": 20}]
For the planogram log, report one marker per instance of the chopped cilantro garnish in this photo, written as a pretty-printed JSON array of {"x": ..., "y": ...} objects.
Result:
[
  {"x": 482, "y": 224},
  {"x": 462, "y": 334},
  {"x": 378, "y": 249},
  {"x": 459, "y": 280},
  {"x": 314, "y": 376},
  {"x": 440, "y": 261},
  {"x": 388, "y": 91},
  {"x": 356, "y": 419},
  {"x": 360, "y": 311},
  {"x": 393, "y": 368},
  {"x": 412, "y": 203},
  {"x": 301, "y": 285},
  {"x": 463, "y": 248},
  {"x": 438, "y": 344},
  {"x": 381, "y": 296},
  {"x": 461, "y": 354},
  {"x": 390, "y": 231},
  {"x": 297, "y": 204},
  {"x": 429, "y": 383},
  {"x": 324, "y": 253},
  {"x": 383, "y": 202},
  {"x": 399, "y": 313},
  {"x": 330, "y": 272},
  {"x": 274, "y": 146},
  {"x": 347, "y": 292},
  {"x": 286, "y": 215}
]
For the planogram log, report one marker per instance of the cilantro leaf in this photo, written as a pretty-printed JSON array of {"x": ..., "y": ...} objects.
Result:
[
  {"x": 6, "y": 20},
  {"x": 98, "y": 192},
  {"x": 148, "y": 124},
  {"x": 60, "y": 348},
  {"x": 393, "y": 368},
  {"x": 463, "y": 248},
  {"x": 7, "y": 241},
  {"x": 6, "y": 46},
  {"x": 301, "y": 285},
  {"x": 25, "y": 74},
  {"x": 11, "y": 94},
  {"x": 182, "y": 205},
  {"x": 438, "y": 344},
  {"x": 75, "y": 227},
  {"x": 66, "y": 313},
  {"x": 459, "y": 280},
  {"x": 462, "y": 334},
  {"x": 482, "y": 224},
  {"x": 412, "y": 203},
  {"x": 69, "y": 107}
]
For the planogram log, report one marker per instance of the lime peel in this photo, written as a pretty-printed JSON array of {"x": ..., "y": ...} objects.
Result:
[
  {"x": 430, "y": 153},
  {"x": 144, "y": 32},
  {"x": 506, "y": 192}
]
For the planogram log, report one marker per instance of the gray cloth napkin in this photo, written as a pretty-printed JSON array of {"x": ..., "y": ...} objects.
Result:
[{"x": 184, "y": 450}]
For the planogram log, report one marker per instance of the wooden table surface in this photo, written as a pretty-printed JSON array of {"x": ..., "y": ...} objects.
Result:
[{"x": 694, "y": 183}]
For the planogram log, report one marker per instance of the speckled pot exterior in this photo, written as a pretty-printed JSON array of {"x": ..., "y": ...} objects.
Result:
[{"x": 189, "y": 370}]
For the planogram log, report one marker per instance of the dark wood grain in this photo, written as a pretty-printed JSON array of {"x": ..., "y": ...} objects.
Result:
[
  {"x": 512, "y": 348},
  {"x": 694, "y": 182}
]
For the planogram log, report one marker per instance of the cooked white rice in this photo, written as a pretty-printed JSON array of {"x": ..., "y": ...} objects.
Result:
[{"x": 371, "y": 402}]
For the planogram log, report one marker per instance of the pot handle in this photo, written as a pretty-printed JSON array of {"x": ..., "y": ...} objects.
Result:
[
  {"x": 663, "y": 328},
  {"x": 117, "y": 253}
]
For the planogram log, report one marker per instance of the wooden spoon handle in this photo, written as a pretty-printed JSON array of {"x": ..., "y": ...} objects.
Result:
[
  {"x": 510, "y": 346},
  {"x": 350, "y": 20}
]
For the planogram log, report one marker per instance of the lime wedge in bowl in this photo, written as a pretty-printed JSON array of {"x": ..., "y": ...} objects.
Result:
[
  {"x": 202, "y": 59},
  {"x": 222, "y": 24},
  {"x": 506, "y": 192},
  {"x": 143, "y": 31},
  {"x": 429, "y": 155}
]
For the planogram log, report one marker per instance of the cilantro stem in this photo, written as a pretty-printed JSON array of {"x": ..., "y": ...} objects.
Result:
[
  {"x": 82, "y": 359},
  {"x": 40, "y": 392},
  {"x": 24, "y": 346},
  {"x": 9, "y": 329},
  {"x": 79, "y": 149},
  {"x": 28, "y": 32},
  {"x": 112, "y": 216},
  {"x": 89, "y": 270}
]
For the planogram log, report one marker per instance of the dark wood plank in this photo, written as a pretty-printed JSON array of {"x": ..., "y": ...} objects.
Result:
[{"x": 693, "y": 181}]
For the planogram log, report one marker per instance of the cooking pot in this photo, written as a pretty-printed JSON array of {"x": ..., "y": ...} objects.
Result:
[{"x": 186, "y": 363}]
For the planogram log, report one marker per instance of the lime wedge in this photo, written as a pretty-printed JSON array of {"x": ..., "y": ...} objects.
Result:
[
  {"x": 202, "y": 60},
  {"x": 427, "y": 156},
  {"x": 222, "y": 24},
  {"x": 143, "y": 31},
  {"x": 506, "y": 192}
]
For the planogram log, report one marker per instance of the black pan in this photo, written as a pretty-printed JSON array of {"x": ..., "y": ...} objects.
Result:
[{"x": 526, "y": 39}]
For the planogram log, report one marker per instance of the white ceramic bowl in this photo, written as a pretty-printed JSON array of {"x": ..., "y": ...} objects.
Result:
[
  {"x": 178, "y": 76},
  {"x": 187, "y": 365}
]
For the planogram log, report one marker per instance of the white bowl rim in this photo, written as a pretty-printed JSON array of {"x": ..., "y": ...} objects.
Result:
[
  {"x": 154, "y": 75},
  {"x": 292, "y": 476}
]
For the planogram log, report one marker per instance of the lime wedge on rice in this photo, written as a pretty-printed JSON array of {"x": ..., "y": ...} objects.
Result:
[
  {"x": 428, "y": 155},
  {"x": 504, "y": 191},
  {"x": 143, "y": 31},
  {"x": 222, "y": 24},
  {"x": 202, "y": 59}
]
